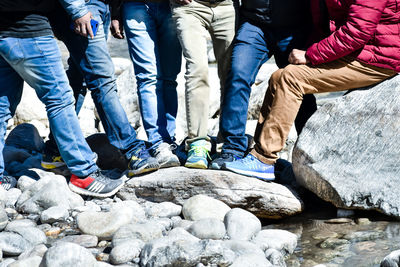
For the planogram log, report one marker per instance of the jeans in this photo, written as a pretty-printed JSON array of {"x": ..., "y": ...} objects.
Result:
[
  {"x": 156, "y": 55},
  {"x": 90, "y": 61},
  {"x": 253, "y": 46},
  {"x": 38, "y": 62}
]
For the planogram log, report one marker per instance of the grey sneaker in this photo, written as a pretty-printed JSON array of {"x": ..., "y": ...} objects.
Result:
[
  {"x": 8, "y": 182},
  {"x": 165, "y": 157}
]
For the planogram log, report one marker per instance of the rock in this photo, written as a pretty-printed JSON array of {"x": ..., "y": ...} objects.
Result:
[
  {"x": 12, "y": 197},
  {"x": 32, "y": 234},
  {"x": 145, "y": 232},
  {"x": 18, "y": 224},
  {"x": 24, "y": 182},
  {"x": 251, "y": 260},
  {"x": 126, "y": 251},
  {"x": 240, "y": 247},
  {"x": 86, "y": 241},
  {"x": 164, "y": 209},
  {"x": 25, "y": 136},
  {"x": 3, "y": 219},
  {"x": 281, "y": 240},
  {"x": 333, "y": 170},
  {"x": 104, "y": 224},
  {"x": 30, "y": 108},
  {"x": 13, "y": 244},
  {"x": 207, "y": 229},
  {"x": 266, "y": 200},
  {"x": 202, "y": 207},
  {"x": 3, "y": 197},
  {"x": 68, "y": 254},
  {"x": 360, "y": 236},
  {"x": 391, "y": 260},
  {"x": 28, "y": 262},
  {"x": 136, "y": 208},
  {"x": 54, "y": 214},
  {"x": 38, "y": 250},
  {"x": 6, "y": 262},
  {"x": 48, "y": 192},
  {"x": 275, "y": 257},
  {"x": 241, "y": 224}
]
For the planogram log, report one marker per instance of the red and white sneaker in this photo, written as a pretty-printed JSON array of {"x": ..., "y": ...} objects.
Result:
[{"x": 95, "y": 185}]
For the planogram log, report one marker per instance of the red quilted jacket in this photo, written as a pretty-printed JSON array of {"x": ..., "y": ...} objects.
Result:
[{"x": 367, "y": 29}]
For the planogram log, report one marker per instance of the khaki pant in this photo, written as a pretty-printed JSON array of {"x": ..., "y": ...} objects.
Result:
[
  {"x": 192, "y": 22},
  {"x": 285, "y": 93}
]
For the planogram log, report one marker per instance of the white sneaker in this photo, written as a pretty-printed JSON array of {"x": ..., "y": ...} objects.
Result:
[{"x": 165, "y": 157}]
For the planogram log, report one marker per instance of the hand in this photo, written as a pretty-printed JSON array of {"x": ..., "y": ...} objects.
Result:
[
  {"x": 82, "y": 25},
  {"x": 298, "y": 57},
  {"x": 116, "y": 29},
  {"x": 183, "y": 2}
]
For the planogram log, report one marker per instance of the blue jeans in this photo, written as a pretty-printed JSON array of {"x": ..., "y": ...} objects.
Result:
[
  {"x": 252, "y": 47},
  {"x": 156, "y": 55},
  {"x": 90, "y": 61},
  {"x": 38, "y": 62}
]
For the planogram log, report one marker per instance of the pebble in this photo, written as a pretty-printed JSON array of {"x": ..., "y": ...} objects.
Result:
[
  {"x": 33, "y": 261},
  {"x": 208, "y": 229},
  {"x": 241, "y": 224},
  {"x": 3, "y": 219},
  {"x": 145, "y": 232},
  {"x": 86, "y": 241},
  {"x": 281, "y": 240},
  {"x": 202, "y": 207},
  {"x": 126, "y": 251},
  {"x": 164, "y": 209},
  {"x": 339, "y": 221},
  {"x": 54, "y": 214},
  {"x": 13, "y": 244},
  {"x": 67, "y": 254},
  {"x": 53, "y": 231}
]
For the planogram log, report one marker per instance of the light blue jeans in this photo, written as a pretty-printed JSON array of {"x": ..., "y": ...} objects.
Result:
[
  {"x": 90, "y": 61},
  {"x": 156, "y": 55},
  {"x": 38, "y": 62}
]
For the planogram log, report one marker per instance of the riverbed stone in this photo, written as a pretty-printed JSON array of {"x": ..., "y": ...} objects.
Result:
[
  {"x": 267, "y": 200},
  {"x": 13, "y": 244},
  {"x": 68, "y": 254},
  {"x": 33, "y": 235},
  {"x": 126, "y": 251},
  {"x": 391, "y": 260},
  {"x": 16, "y": 224},
  {"x": 202, "y": 207},
  {"x": 340, "y": 171},
  {"x": 12, "y": 197},
  {"x": 86, "y": 241},
  {"x": 281, "y": 240},
  {"x": 251, "y": 260},
  {"x": 143, "y": 231},
  {"x": 275, "y": 257},
  {"x": 209, "y": 228},
  {"x": 241, "y": 224},
  {"x": 33, "y": 261},
  {"x": 37, "y": 250},
  {"x": 54, "y": 214},
  {"x": 3, "y": 219},
  {"x": 24, "y": 182},
  {"x": 164, "y": 209}
]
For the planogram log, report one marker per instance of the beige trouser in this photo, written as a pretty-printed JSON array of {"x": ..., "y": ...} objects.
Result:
[
  {"x": 192, "y": 23},
  {"x": 285, "y": 93}
]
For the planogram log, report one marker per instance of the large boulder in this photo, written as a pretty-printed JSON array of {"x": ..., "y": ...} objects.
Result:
[
  {"x": 348, "y": 152},
  {"x": 264, "y": 199}
]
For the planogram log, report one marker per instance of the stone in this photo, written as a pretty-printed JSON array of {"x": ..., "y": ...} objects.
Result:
[
  {"x": 33, "y": 235},
  {"x": 13, "y": 244},
  {"x": 68, "y": 254},
  {"x": 30, "y": 108},
  {"x": 86, "y": 241},
  {"x": 164, "y": 209},
  {"x": 209, "y": 228},
  {"x": 126, "y": 251},
  {"x": 265, "y": 200},
  {"x": 3, "y": 219},
  {"x": 6, "y": 262},
  {"x": 391, "y": 260},
  {"x": 241, "y": 224},
  {"x": 145, "y": 232},
  {"x": 360, "y": 236},
  {"x": 54, "y": 214},
  {"x": 281, "y": 240},
  {"x": 48, "y": 192},
  {"x": 251, "y": 260},
  {"x": 203, "y": 207},
  {"x": 37, "y": 250},
  {"x": 340, "y": 171},
  {"x": 104, "y": 224},
  {"x": 240, "y": 247},
  {"x": 18, "y": 224},
  {"x": 275, "y": 257},
  {"x": 28, "y": 262},
  {"x": 24, "y": 182},
  {"x": 12, "y": 197}
]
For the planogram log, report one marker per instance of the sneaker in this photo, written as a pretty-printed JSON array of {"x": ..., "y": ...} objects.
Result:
[
  {"x": 142, "y": 162},
  {"x": 165, "y": 157},
  {"x": 197, "y": 155},
  {"x": 217, "y": 163},
  {"x": 251, "y": 166},
  {"x": 8, "y": 182},
  {"x": 95, "y": 185},
  {"x": 52, "y": 161}
]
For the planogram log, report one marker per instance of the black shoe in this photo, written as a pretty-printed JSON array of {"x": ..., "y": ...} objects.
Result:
[
  {"x": 96, "y": 184},
  {"x": 217, "y": 163},
  {"x": 142, "y": 162},
  {"x": 8, "y": 182},
  {"x": 52, "y": 161}
]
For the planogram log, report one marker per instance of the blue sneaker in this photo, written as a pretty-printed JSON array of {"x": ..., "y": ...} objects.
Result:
[
  {"x": 219, "y": 161},
  {"x": 197, "y": 155},
  {"x": 251, "y": 166},
  {"x": 142, "y": 162}
]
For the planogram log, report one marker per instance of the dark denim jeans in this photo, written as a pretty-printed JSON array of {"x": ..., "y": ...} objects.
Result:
[
  {"x": 90, "y": 61},
  {"x": 156, "y": 55},
  {"x": 38, "y": 62},
  {"x": 252, "y": 47}
]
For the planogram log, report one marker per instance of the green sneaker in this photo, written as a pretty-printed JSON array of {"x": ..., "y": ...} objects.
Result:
[{"x": 197, "y": 155}]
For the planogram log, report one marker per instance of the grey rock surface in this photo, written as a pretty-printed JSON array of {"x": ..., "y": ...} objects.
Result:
[
  {"x": 251, "y": 260},
  {"x": 33, "y": 261},
  {"x": 164, "y": 209},
  {"x": 86, "y": 241},
  {"x": 281, "y": 240},
  {"x": 391, "y": 260},
  {"x": 126, "y": 251},
  {"x": 68, "y": 254},
  {"x": 33, "y": 235},
  {"x": 3, "y": 219},
  {"x": 145, "y": 232},
  {"x": 13, "y": 244},
  {"x": 54, "y": 214},
  {"x": 268, "y": 200},
  {"x": 203, "y": 207},
  {"x": 241, "y": 224},
  {"x": 209, "y": 228},
  {"x": 355, "y": 168}
]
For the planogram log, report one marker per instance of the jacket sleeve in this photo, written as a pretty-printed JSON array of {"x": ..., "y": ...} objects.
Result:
[
  {"x": 115, "y": 7},
  {"x": 359, "y": 27},
  {"x": 75, "y": 8}
]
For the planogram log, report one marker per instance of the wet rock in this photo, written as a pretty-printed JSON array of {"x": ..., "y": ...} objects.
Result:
[
  {"x": 275, "y": 257},
  {"x": 281, "y": 240},
  {"x": 364, "y": 236},
  {"x": 126, "y": 251},
  {"x": 86, "y": 241},
  {"x": 207, "y": 229},
  {"x": 13, "y": 244},
  {"x": 48, "y": 192},
  {"x": 267, "y": 200},
  {"x": 28, "y": 262},
  {"x": 145, "y": 232},
  {"x": 333, "y": 243},
  {"x": 363, "y": 221},
  {"x": 54, "y": 214},
  {"x": 339, "y": 221},
  {"x": 332, "y": 170},
  {"x": 203, "y": 207},
  {"x": 241, "y": 224},
  {"x": 164, "y": 209},
  {"x": 68, "y": 254},
  {"x": 391, "y": 260},
  {"x": 251, "y": 260}
]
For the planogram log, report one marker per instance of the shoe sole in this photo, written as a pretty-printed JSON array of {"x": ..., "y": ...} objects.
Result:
[
  {"x": 52, "y": 165},
  {"x": 85, "y": 192},
  {"x": 196, "y": 165},
  {"x": 145, "y": 169},
  {"x": 262, "y": 176},
  {"x": 169, "y": 164}
]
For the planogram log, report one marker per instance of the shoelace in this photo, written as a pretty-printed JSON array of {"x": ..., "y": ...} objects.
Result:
[
  {"x": 250, "y": 162},
  {"x": 143, "y": 153},
  {"x": 6, "y": 180},
  {"x": 199, "y": 151},
  {"x": 98, "y": 176}
]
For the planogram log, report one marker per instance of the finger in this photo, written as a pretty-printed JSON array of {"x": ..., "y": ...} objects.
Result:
[
  {"x": 77, "y": 29},
  {"x": 83, "y": 30},
  {"x": 90, "y": 31}
]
